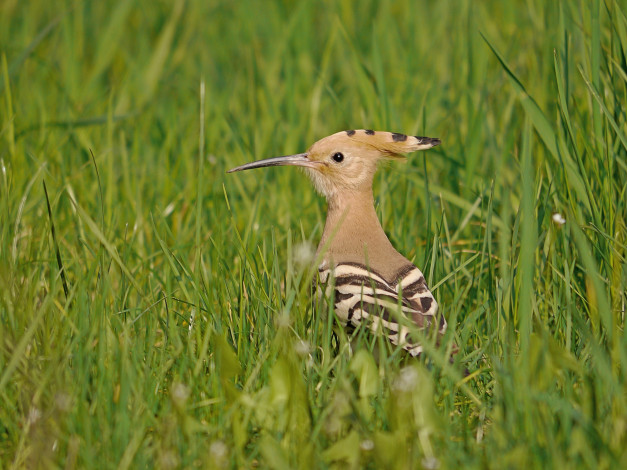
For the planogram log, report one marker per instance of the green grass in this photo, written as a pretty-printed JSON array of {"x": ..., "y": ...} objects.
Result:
[{"x": 187, "y": 336}]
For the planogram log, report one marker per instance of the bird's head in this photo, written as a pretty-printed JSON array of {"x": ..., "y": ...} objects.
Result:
[{"x": 347, "y": 160}]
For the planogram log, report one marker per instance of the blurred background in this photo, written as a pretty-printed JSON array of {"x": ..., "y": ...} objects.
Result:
[{"x": 182, "y": 333}]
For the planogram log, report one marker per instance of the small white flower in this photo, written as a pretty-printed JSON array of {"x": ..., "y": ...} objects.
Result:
[
  {"x": 558, "y": 218},
  {"x": 168, "y": 459},
  {"x": 302, "y": 348},
  {"x": 180, "y": 393},
  {"x": 218, "y": 450},
  {"x": 366, "y": 445},
  {"x": 304, "y": 254},
  {"x": 406, "y": 380},
  {"x": 430, "y": 463},
  {"x": 283, "y": 319}
]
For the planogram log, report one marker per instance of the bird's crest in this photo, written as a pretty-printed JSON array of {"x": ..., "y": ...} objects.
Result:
[{"x": 389, "y": 144}]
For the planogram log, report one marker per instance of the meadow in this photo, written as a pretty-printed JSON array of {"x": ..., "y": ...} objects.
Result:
[{"x": 156, "y": 312}]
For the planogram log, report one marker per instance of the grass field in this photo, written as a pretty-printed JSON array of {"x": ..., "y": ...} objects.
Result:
[{"x": 182, "y": 333}]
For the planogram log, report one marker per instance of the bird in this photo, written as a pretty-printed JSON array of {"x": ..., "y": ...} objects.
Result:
[{"x": 367, "y": 279}]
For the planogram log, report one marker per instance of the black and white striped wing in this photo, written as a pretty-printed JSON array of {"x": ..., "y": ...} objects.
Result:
[{"x": 363, "y": 296}]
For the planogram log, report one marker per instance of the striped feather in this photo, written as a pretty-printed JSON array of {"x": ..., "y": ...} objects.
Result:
[{"x": 363, "y": 296}]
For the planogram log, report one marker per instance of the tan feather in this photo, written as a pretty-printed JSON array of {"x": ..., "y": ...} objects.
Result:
[{"x": 392, "y": 144}]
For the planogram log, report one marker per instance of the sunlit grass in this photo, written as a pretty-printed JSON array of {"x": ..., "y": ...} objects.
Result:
[{"x": 188, "y": 336}]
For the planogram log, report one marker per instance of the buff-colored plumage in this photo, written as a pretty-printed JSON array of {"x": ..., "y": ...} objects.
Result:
[{"x": 361, "y": 269}]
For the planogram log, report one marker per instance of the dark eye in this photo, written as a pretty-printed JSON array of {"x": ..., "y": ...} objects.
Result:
[{"x": 338, "y": 157}]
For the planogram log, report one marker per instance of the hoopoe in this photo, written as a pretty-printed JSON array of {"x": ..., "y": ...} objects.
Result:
[{"x": 368, "y": 279}]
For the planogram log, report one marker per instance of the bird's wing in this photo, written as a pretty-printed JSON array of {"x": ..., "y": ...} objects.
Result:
[{"x": 362, "y": 295}]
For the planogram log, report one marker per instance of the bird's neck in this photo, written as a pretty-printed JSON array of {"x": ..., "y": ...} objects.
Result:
[{"x": 353, "y": 233}]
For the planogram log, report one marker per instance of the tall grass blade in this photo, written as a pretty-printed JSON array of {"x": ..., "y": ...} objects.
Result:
[{"x": 56, "y": 243}]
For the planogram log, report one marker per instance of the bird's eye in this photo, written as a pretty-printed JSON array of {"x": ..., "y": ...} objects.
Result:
[{"x": 338, "y": 157}]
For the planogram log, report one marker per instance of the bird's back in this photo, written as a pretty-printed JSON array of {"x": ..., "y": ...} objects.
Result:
[{"x": 394, "y": 304}]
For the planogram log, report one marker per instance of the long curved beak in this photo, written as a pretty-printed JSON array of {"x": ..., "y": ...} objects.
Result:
[{"x": 300, "y": 159}]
